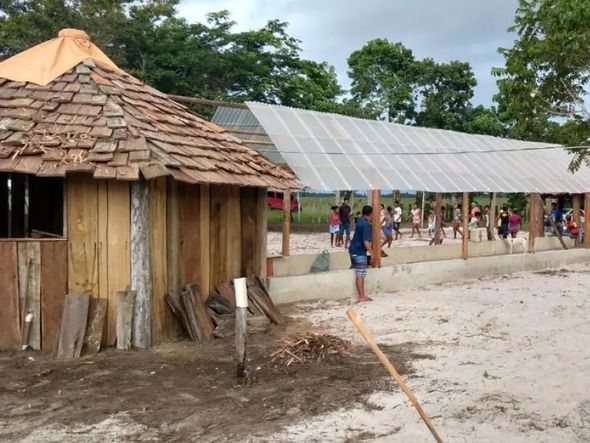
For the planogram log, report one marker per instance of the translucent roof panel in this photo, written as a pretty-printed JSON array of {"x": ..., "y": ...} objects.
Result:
[{"x": 335, "y": 152}]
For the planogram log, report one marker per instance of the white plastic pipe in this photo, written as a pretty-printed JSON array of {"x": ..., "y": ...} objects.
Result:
[{"x": 241, "y": 290}]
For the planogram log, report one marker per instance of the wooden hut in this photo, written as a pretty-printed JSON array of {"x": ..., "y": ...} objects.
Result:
[{"x": 105, "y": 182}]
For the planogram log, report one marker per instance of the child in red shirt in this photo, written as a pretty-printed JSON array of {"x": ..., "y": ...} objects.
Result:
[{"x": 572, "y": 227}]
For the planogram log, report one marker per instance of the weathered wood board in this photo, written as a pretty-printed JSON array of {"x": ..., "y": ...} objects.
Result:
[
  {"x": 29, "y": 276},
  {"x": 9, "y": 297},
  {"x": 54, "y": 286},
  {"x": 97, "y": 311},
  {"x": 125, "y": 306},
  {"x": 73, "y": 326}
]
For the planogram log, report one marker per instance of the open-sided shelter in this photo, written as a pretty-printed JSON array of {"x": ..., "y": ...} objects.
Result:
[{"x": 105, "y": 182}]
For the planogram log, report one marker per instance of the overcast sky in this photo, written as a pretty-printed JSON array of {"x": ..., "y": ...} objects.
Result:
[{"x": 329, "y": 30}]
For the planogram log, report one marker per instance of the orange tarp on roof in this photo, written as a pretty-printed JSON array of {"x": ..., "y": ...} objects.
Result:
[{"x": 70, "y": 48}]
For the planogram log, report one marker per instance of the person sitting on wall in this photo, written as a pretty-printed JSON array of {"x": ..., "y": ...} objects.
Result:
[
  {"x": 573, "y": 230},
  {"x": 359, "y": 246}
]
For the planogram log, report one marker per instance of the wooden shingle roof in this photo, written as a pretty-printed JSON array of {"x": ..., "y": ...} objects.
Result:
[{"x": 102, "y": 121}]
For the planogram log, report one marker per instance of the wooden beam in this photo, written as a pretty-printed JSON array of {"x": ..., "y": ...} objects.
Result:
[
  {"x": 587, "y": 220},
  {"x": 576, "y": 210},
  {"x": 533, "y": 221},
  {"x": 286, "y": 221},
  {"x": 438, "y": 215},
  {"x": 376, "y": 222},
  {"x": 206, "y": 102},
  {"x": 465, "y": 241},
  {"x": 141, "y": 279}
]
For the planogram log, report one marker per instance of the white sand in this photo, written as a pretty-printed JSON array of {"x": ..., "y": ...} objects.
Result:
[{"x": 512, "y": 362}]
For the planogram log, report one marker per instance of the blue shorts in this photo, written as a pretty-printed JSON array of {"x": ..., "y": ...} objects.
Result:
[
  {"x": 387, "y": 230},
  {"x": 345, "y": 228},
  {"x": 360, "y": 265},
  {"x": 334, "y": 229}
]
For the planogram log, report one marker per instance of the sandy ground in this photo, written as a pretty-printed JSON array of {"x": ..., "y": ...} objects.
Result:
[
  {"x": 512, "y": 362},
  {"x": 314, "y": 242}
]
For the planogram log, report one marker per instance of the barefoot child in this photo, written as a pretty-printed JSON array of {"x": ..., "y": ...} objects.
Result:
[
  {"x": 416, "y": 221},
  {"x": 334, "y": 226}
]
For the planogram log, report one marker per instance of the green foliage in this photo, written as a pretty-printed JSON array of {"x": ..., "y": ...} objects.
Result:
[{"x": 518, "y": 202}]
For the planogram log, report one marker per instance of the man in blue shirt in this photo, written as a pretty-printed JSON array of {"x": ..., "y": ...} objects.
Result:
[
  {"x": 557, "y": 219},
  {"x": 359, "y": 246}
]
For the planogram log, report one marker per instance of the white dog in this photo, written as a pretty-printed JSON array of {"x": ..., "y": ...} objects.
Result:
[{"x": 518, "y": 241}]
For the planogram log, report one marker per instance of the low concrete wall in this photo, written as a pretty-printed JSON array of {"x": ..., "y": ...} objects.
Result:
[
  {"x": 340, "y": 284},
  {"x": 301, "y": 264}
]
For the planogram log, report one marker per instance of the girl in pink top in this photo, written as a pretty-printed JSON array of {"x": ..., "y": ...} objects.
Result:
[
  {"x": 513, "y": 222},
  {"x": 335, "y": 227},
  {"x": 416, "y": 220}
]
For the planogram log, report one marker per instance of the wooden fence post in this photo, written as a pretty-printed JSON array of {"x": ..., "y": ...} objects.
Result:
[
  {"x": 587, "y": 220},
  {"x": 286, "y": 221},
  {"x": 465, "y": 242},
  {"x": 533, "y": 222},
  {"x": 438, "y": 215},
  {"x": 376, "y": 221}
]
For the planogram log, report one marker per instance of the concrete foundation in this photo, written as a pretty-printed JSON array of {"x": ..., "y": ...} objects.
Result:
[
  {"x": 301, "y": 264},
  {"x": 339, "y": 284}
]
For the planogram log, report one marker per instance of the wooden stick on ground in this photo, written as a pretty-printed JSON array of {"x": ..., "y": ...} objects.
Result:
[{"x": 360, "y": 326}]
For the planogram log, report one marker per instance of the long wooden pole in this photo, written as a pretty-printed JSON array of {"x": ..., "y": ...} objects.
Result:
[
  {"x": 286, "y": 221},
  {"x": 465, "y": 242},
  {"x": 438, "y": 215},
  {"x": 587, "y": 220},
  {"x": 533, "y": 222},
  {"x": 360, "y": 326},
  {"x": 493, "y": 216},
  {"x": 376, "y": 223},
  {"x": 576, "y": 211}
]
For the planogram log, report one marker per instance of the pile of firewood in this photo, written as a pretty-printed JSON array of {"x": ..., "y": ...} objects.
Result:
[
  {"x": 313, "y": 348},
  {"x": 216, "y": 316}
]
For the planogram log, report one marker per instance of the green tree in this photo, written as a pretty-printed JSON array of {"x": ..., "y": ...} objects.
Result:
[{"x": 547, "y": 72}]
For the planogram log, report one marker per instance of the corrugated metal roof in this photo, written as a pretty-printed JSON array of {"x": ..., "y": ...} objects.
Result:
[
  {"x": 336, "y": 152},
  {"x": 243, "y": 119}
]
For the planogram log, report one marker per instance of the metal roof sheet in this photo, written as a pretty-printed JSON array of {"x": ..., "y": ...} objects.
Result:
[{"x": 336, "y": 152}]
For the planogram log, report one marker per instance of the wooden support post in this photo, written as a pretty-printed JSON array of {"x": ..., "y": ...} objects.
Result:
[
  {"x": 438, "y": 215},
  {"x": 241, "y": 292},
  {"x": 533, "y": 221},
  {"x": 576, "y": 211},
  {"x": 286, "y": 221},
  {"x": 587, "y": 220},
  {"x": 141, "y": 278},
  {"x": 376, "y": 224},
  {"x": 540, "y": 216},
  {"x": 493, "y": 225},
  {"x": 465, "y": 242}
]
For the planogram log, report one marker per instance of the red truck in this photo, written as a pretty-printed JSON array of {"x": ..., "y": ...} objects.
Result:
[{"x": 275, "y": 200}]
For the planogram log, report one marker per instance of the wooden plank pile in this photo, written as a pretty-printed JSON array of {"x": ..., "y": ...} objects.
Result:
[
  {"x": 216, "y": 317},
  {"x": 313, "y": 348}
]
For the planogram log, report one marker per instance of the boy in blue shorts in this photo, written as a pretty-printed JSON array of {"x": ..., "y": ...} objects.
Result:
[{"x": 359, "y": 246}]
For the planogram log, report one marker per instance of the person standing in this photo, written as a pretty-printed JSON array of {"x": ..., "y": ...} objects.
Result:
[
  {"x": 397, "y": 219},
  {"x": 457, "y": 222},
  {"x": 387, "y": 225},
  {"x": 474, "y": 209},
  {"x": 344, "y": 214},
  {"x": 416, "y": 221},
  {"x": 513, "y": 222},
  {"x": 502, "y": 222},
  {"x": 557, "y": 218},
  {"x": 359, "y": 246},
  {"x": 335, "y": 227}
]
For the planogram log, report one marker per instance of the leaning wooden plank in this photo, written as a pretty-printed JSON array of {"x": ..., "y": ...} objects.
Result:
[
  {"x": 178, "y": 310},
  {"x": 262, "y": 286},
  {"x": 125, "y": 305},
  {"x": 9, "y": 300},
  {"x": 54, "y": 286},
  {"x": 97, "y": 312},
  {"x": 254, "y": 306},
  {"x": 220, "y": 304},
  {"x": 266, "y": 305},
  {"x": 227, "y": 292},
  {"x": 205, "y": 323},
  {"x": 73, "y": 326},
  {"x": 186, "y": 299}
]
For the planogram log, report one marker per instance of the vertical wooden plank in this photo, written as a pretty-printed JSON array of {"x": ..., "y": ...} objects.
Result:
[
  {"x": 204, "y": 223},
  {"x": 102, "y": 245},
  {"x": 29, "y": 276},
  {"x": 376, "y": 225},
  {"x": 97, "y": 311},
  {"x": 539, "y": 214},
  {"x": 587, "y": 220},
  {"x": 576, "y": 216},
  {"x": 163, "y": 322},
  {"x": 191, "y": 245},
  {"x": 9, "y": 297},
  {"x": 118, "y": 250},
  {"x": 73, "y": 326},
  {"x": 261, "y": 224},
  {"x": 533, "y": 221},
  {"x": 465, "y": 241},
  {"x": 82, "y": 224},
  {"x": 248, "y": 202},
  {"x": 54, "y": 286},
  {"x": 493, "y": 226},
  {"x": 174, "y": 233},
  {"x": 438, "y": 215},
  {"x": 141, "y": 278},
  {"x": 286, "y": 221}
]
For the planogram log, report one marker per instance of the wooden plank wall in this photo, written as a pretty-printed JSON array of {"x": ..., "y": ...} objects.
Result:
[
  {"x": 98, "y": 241},
  {"x": 253, "y": 213},
  {"x": 33, "y": 278}
]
